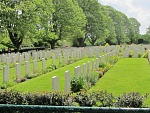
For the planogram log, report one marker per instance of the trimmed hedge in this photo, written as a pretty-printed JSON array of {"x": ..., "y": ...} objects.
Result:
[{"x": 83, "y": 98}]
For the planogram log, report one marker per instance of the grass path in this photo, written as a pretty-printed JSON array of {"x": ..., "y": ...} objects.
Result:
[
  {"x": 127, "y": 75},
  {"x": 12, "y": 70},
  {"x": 44, "y": 82}
]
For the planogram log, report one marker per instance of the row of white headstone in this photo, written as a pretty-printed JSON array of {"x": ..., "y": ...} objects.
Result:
[
  {"x": 136, "y": 50},
  {"x": 81, "y": 70},
  {"x": 72, "y": 53},
  {"x": 75, "y": 54}
]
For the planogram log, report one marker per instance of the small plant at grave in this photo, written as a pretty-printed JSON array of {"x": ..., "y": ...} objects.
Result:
[
  {"x": 145, "y": 55},
  {"x": 85, "y": 99},
  {"x": 7, "y": 85},
  {"x": 107, "y": 67},
  {"x": 77, "y": 83},
  {"x": 139, "y": 54},
  {"x": 22, "y": 80},
  {"x": 30, "y": 76},
  {"x": 101, "y": 64},
  {"x": 106, "y": 44},
  {"x": 91, "y": 78},
  {"x": 61, "y": 65},
  {"x": 51, "y": 68},
  {"x": 70, "y": 61},
  {"x": 131, "y": 53},
  {"x": 100, "y": 72},
  {"x": 133, "y": 99},
  {"x": 103, "y": 98},
  {"x": 113, "y": 59}
]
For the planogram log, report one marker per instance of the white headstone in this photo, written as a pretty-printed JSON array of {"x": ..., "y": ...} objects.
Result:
[
  {"x": 65, "y": 58},
  {"x": 93, "y": 65},
  {"x": 84, "y": 69},
  {"x": 17, "y": 71},
  {"x": 135, "y": 53},
  {"x": 5, "y": 73},
  {"x": 60, "y": 58},
  {"x": 126, "y": 53},
  {"x": 76, "y": 71},
  {"x": 88, "y": 67},
  {"x": 55, "y": 84},
  {"x": 34, "y": 65},
  {"x": 53, "y": 58},
  {"x": 43, "y": 64},
  {"x": 67, "y": 81},
  {"x": 7, "y": 60},
  {"x": 79, "y": 70},
  {"x": 27, "y": 72},
  {"x": 97, "y": 63}
]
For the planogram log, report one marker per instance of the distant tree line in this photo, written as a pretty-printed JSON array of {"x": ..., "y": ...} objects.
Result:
[{"x": 78, "y": 22}]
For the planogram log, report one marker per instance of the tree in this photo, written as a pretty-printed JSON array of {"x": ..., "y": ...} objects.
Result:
[
  {"x": 118, "y": 23},
  {"x": 45, "y": 25},
  {"x": 68, "y": 21},
  {"x": 146, "y": 37},
  {"x": 95, "y": 27},
  {"x": 111, "y": 36},
  {"x": 136, "y": 28},
  {"x": 18, "y": 17}
]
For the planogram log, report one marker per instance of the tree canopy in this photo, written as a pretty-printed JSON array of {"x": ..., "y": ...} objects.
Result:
[{"x": 80, "y": 22}]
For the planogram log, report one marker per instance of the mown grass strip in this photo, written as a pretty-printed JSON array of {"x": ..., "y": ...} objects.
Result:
[
  {"x": 44, "y": 82},
  {"x": 12, "y": 70},
  {"x": 127, "y": 75}
]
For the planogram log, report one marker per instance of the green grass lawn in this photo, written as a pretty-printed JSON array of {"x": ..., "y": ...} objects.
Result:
[
  {"x": 12, "y": 69},
  {"x": 127, "y": 75},
  {"x": 44, "y": 82}
]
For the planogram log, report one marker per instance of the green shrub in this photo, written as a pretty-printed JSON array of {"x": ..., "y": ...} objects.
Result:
[
  {"x": 107, "y": 67},
  {"x": 139, "y": 54},
  {"x": 77, "y": 83},
  {"x": 113, "y": 59},
  {"x": 145, "y": 55},
  {"x": 11, "y": 97},
  {"x": 106, "y": 44},
  {"x": 101, "y": 64},
  {"x": 133, "y": 99},
  {"x": 7, "y": 84},
  {"x": 53, "y": 99},
  {"x": 84, "y": 99},
  {"x": 131, "y": 53},
  {"x": 91, "y": 78},
  {"x": 51, "y": 67},
  {"x": 104, "y": 99}
]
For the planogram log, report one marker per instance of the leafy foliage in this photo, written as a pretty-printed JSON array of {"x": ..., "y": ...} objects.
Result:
[
  {"x": 77, "y": 83},
  {"x": 133, "y": 99},
  {"x": 104, "y": 99},
  {"x": 95, "y": 98},
  {"x": 84, "y": 99},
  {"x": 80, "y": 22}
]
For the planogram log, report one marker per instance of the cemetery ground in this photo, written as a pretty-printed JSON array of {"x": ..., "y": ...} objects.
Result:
[
  {"x": 127, "y": 75},
  {"x": 43, "y": 83}
]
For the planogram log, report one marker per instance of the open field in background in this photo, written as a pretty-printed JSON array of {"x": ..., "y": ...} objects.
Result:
[
  {"x": 43, "y": 83},
  {"x": 127, "y": 75}
]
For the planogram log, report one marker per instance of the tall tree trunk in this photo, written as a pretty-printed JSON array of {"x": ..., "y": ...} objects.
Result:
[
  {"x": 53, "y": 43},
  {"x": 15, "y": 40},
  {"x": 93, "y": 42},
  {"x": 81, "y": 42}
]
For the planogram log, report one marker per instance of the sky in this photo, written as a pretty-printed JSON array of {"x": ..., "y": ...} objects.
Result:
[{"x": 138, "y": 9}]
